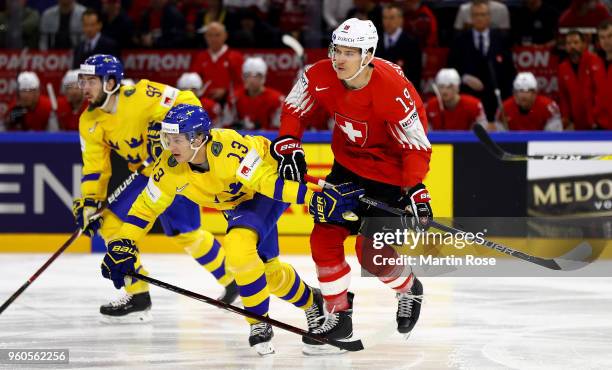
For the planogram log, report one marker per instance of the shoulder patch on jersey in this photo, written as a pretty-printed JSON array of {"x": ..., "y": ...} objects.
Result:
[
  {"x": 216, "y": 148},
  {"x": 249, "y": 165},
  {"x": 129, "y": 92},
  {"x": 169, "y": 97},
  {"x": 172, "y": 161}
]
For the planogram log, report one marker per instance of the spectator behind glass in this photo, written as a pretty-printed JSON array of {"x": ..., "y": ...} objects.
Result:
[
  {"x": 527, "y": 110},
  {"x": 192, "y": 81},
  {"x": 534, "y": 23},
  {"x": 580, "y": 78},
  {"x": 219, "y": 66},
  {"x": 483, "y": 58},
  {"x": 420, "y": 23},
  {"x": 61, "y": 25},
  {"x": 116, "y": 24},
  {"x": 30, "y": 110},
  {"x": 257, "y": 106},
  {"x": 71, "y": 102},
  {"x": 162, "y": 26},
  {"x": 334, "y": 12},
  {"x": 500, "y": 17},
  {"x": 450, "y": 110},
  {"x": 94, "y": 42},
  {"x": 395, "y": 45},
  {"x": 367, "y": 9},
  {"x": 584, "y": 13},
  {"x": 25, "y": 18},
  {"x": 604, "y": 98}
]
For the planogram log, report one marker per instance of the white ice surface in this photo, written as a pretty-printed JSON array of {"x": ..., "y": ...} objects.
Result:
[{"x": 466, "y": 323}]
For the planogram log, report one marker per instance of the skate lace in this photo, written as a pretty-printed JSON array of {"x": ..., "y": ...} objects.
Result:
[
  {"x": 259, "y": 328},
  {"x": 121, "y": 300},
  {"x": 405, "y": 303},
  {"x": 330, "y": 322},
  {"x": 312, "y": 316}
]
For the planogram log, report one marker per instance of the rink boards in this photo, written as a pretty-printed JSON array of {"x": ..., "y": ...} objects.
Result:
[{"x": 36, "y": 190}]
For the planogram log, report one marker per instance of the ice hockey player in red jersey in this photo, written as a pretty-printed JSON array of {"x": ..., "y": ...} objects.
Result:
[
  {"x": 71, "y": 103},
  {"x": 192, "y": 81},
  {"x": 454, "y": 111},
  {"x": 526, "y": 110},
  {"x": 257, "y": 106},
  {"x": 219, "y": 65},
  {"x": 30, "y": 110},
  {"x": 379, "y": 143}
]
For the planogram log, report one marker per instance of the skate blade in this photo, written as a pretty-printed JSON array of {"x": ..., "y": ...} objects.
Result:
[
  {"x": 321, "y": 350},
  {"x": 264, "y": 349},
  {"x": 141, "y": 317}
]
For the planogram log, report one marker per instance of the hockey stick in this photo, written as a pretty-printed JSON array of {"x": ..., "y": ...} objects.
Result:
[
  {"x": 572, "y": 260},
  {"x": 353, "y": 346},
  {"x": 295, "y": 45},
  {"x": 75, "y": 235},
  {"x": 53, "y": 124},
  {"x": 436, "y": 91},
  {"x": 503, "y": 155}
]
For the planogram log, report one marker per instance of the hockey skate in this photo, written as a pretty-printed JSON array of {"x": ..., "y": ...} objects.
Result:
[
  {"x": 128, "y": 309},
  {"x": 315, "y": 314},
  {"x": 260, "y": 338},
  {"x": 409, "y": 308},
  {"x": 337, "y": 325}
]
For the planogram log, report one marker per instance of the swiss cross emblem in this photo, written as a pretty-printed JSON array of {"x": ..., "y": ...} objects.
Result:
[{"x": 355, "y": 132}]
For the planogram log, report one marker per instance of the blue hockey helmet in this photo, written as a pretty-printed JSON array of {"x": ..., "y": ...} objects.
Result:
[
  {"x": 186, "y": 119},
  {"x": 105, "y": 66}
]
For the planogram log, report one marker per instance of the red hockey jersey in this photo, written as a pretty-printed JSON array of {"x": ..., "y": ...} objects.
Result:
[
  {"x": 211, "y": 107},
  {"x": 577, "y": 93},
  {"x": 223, "y": 70},
  {"x": 262, "y": 110},
  {"x": 463, "y": 116},
  {"x": 36, "y": 120},
  {"x": 543, "y": 111},
  {"x": 67, "y": 118},
  {"x": 380, "y": 129}
]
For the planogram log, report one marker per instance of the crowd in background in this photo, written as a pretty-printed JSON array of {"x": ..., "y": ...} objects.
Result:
[{"x": 479, "y": 86}]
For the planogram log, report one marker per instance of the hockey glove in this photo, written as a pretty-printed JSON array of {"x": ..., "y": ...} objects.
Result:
[
  {"x": 288, "y": 152},
  {"x": 83, "y": 210},
  {"x": 416, "y": 201},
  {"x": 16, "y": 118},
  {"x": 119, "y": 259},
  {"x": 329, "y": 204}
]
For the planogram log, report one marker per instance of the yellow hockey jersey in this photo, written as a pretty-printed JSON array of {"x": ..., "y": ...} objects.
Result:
[
  {"x": 239, "y": 167},
  {"x": 132, "y": 131}
]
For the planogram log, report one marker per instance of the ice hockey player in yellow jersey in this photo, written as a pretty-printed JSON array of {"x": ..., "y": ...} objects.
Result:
[
  {"x": 127, "y": 119},
  {"x": 236, "y": 174}
]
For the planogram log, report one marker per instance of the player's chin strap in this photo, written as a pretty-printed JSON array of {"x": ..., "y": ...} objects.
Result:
[
  {"x": 108, "y": 93},
  {"x": 196, "y": 149},
  {"x": 361, "y": 68}
]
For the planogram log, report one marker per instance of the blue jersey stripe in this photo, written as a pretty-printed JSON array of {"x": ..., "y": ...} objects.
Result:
[
  {"x": 136, "y": 221},
  {"x": 91, "y": 177}
]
